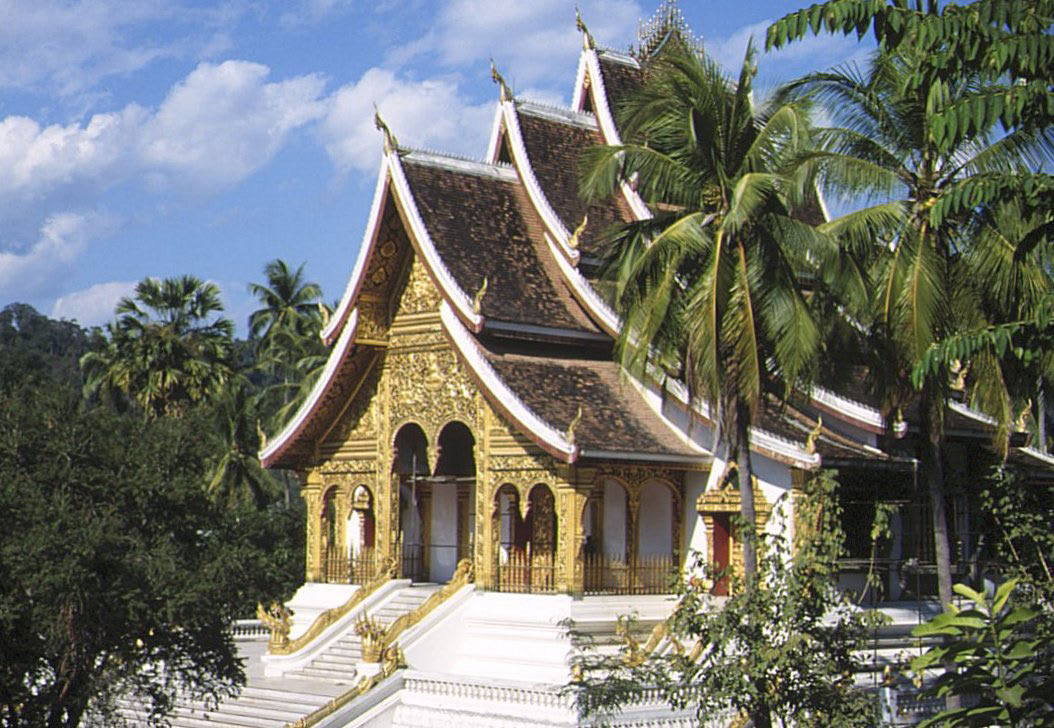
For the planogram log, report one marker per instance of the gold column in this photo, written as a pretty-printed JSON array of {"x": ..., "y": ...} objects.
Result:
[
  {"x": 572, "y": 503},
  {"x": 312, "y": 495}
]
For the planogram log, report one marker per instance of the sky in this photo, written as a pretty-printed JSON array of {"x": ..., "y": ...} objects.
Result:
[{"x": 154, "y": 138}]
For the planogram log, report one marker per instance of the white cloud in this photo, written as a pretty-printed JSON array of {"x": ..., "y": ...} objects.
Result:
[
  {"x": 531, "y": 42},
  {"x": 430, "y": 113},
  {"x": 68, "y": 46},
  {"x": 214, "y": 128},
  {"x": 810, "y": 53},
  {"x": 223, "y": 122},
  {"x": 92, "y": 306},
  {"x": 62, "y": 238}
]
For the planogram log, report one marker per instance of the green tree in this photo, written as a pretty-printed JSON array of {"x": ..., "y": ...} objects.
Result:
[
  {"x": 167, "y": 349},
  {"x": 995, "y": 651},
  {"x": 924, "y": 273},
  {"x": 784, "y": 651},
  {"x": 122, "y": 577},
  {"x": 708, "y": 287},
  {"x": 237, "y": 475}
]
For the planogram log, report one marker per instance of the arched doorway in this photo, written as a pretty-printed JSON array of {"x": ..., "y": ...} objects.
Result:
[
  {"x": 410, "y": 466},
  {"x": 655, "y": 562},
  {"x": 527, "y": 545},
  {"x": 451, "y": 495},
  {"x": 362, "y": 536},
  {"x": 334, "y": 558}
]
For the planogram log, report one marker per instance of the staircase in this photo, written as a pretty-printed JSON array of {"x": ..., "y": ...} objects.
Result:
[
  {"x": 275, "y": 702},
  {"x": 337, "y": 662}
]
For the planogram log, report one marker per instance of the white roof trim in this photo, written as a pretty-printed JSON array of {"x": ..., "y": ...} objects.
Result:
[
  {"x": 493, "y": 148},
  {"x": 579, "y": 93},
  {"x": 369, "y": 240},
  {"x": 581, "y": 119},
  {"x": 585, "y": 293},
  {"x": 548, "y": 436},
  {"x": 676, "y": 431},
  {"x": 523, "y": 165},
  {"x": 971, "y": 413},
  {"x": 428, "y": 251},
  {"x": 336, "y": 356},
  {"x": 459, "y": 164},
  {"x": 854, "y": 410},
  {"x": 1043, "y": 457}
]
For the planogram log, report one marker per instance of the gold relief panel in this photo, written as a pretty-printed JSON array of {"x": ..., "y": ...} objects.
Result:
[
  {"x": 373, "y": 319},
  {"x": 430, "y": 387},
  {"x": 359, "y": 420},
  {"x": 420, "y": 293}
]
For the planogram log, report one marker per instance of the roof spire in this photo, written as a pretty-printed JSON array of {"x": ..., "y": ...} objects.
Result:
[
  {"x": 573, "y": 242},
  {"x": 506, "y": 94},
  {"x": 477, "y": 300},
  {"x": 665, "y": 24},
  {"x": 587, "y": 38},
  {"x": 390, "y": 142},
  {"x": 574, "y": 424},
  {"x": 810, "y": 441}
]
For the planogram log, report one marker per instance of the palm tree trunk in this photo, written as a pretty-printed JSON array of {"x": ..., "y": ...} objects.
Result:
[
  {"x": 933, "y": 475},
  {"x": 740, "y": 449},
  {"x": 1041, "y": 416}
]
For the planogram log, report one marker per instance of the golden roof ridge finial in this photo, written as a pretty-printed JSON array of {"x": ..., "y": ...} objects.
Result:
[
  {"x": 587, "y": 38},
  {"x": 391, "y": 144},
  {"x": 496, "y": 77},
  {"x": 574, "y": 423},
  {"x": 573, "y": 242},
  {"x": 810, "y": 441},
  {"x": 477, "y": 300}
]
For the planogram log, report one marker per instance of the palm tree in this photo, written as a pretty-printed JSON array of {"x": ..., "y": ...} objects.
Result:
[
  {"x": 708, "y": 287},
  {"x": 237, "y": 475},
  {"x": 166, "y": 350},
  {"x": 923, "y": 272},
  {"x": 286, "y": 328}
]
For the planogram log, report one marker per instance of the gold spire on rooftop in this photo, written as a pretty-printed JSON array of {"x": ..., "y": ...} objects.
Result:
[
  {"x": 666, "y": 23},
  {"x": 390, "y": 142},
  {"x": 573, "y": 242},
  {"x": 496, "y": 77},
  {"x": 587, "y": 38}
]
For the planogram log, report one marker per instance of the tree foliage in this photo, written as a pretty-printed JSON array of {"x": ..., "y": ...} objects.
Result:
[
  {"x": 122, "y": 575},
  {"x": 167, "y": 349},
  {"x": 783, "y": 651},
  {"x": 707, "y": 286},
  {"x": 994, "y": 651}
]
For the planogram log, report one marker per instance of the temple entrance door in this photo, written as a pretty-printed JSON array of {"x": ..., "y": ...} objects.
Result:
[
  {"x": 722, "y": 544},
  {"x": 450, "y": 513},
  {"x": 411, "y": 468}
]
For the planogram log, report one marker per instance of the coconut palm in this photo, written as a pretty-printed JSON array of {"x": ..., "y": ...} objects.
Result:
[
  {"x": 286, "y": 328},
  {"x": 167, "y": 349},
  {"x": 708, "y": 287},
  {"x": 881, "y": 155},
  {"x": 237, "y": 475}
]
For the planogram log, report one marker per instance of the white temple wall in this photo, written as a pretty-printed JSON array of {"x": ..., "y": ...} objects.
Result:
[
  {"x": 614, "y": 519},
  {"x": 655, "y": 520},
  {"x": 442, "y": 558}
]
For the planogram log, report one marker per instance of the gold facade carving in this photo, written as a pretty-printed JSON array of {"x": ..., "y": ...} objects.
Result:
[
  {"x": 373, "y": 320},
  {"x": 429, "y": 387},
  {"x": 420, "y": 293},
  {"x": 725, "y": 499}
]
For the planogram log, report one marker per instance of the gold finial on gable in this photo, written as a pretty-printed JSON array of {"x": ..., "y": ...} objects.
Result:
[
  {"x": 587, "y": 38},
  {"x": 496, "y": 77},
  {"x": 324, "y": 313},
  {"x": 574, "y": 423},
  {"x": 477, "y": 300},
  {"x": 810, "y": 442},
  {"x": 573, "y": 242},
  {"x": 390, "y": 142},
  {"x": 262, "y": 435}
]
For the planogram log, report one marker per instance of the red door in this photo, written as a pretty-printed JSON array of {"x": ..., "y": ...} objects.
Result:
[{"x": 722, "y": 528}]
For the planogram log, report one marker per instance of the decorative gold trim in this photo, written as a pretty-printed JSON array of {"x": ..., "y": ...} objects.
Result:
[
  {"x": 392, "y": 661},
  {"x": 462, "y": 575},
  {"x": 328, "y": 617}
]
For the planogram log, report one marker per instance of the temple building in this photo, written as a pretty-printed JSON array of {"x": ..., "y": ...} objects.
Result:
[{"x": 480, "y": 473}]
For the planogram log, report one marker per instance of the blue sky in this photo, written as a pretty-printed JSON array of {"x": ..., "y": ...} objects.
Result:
[{"x": 158, "y": 137}]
